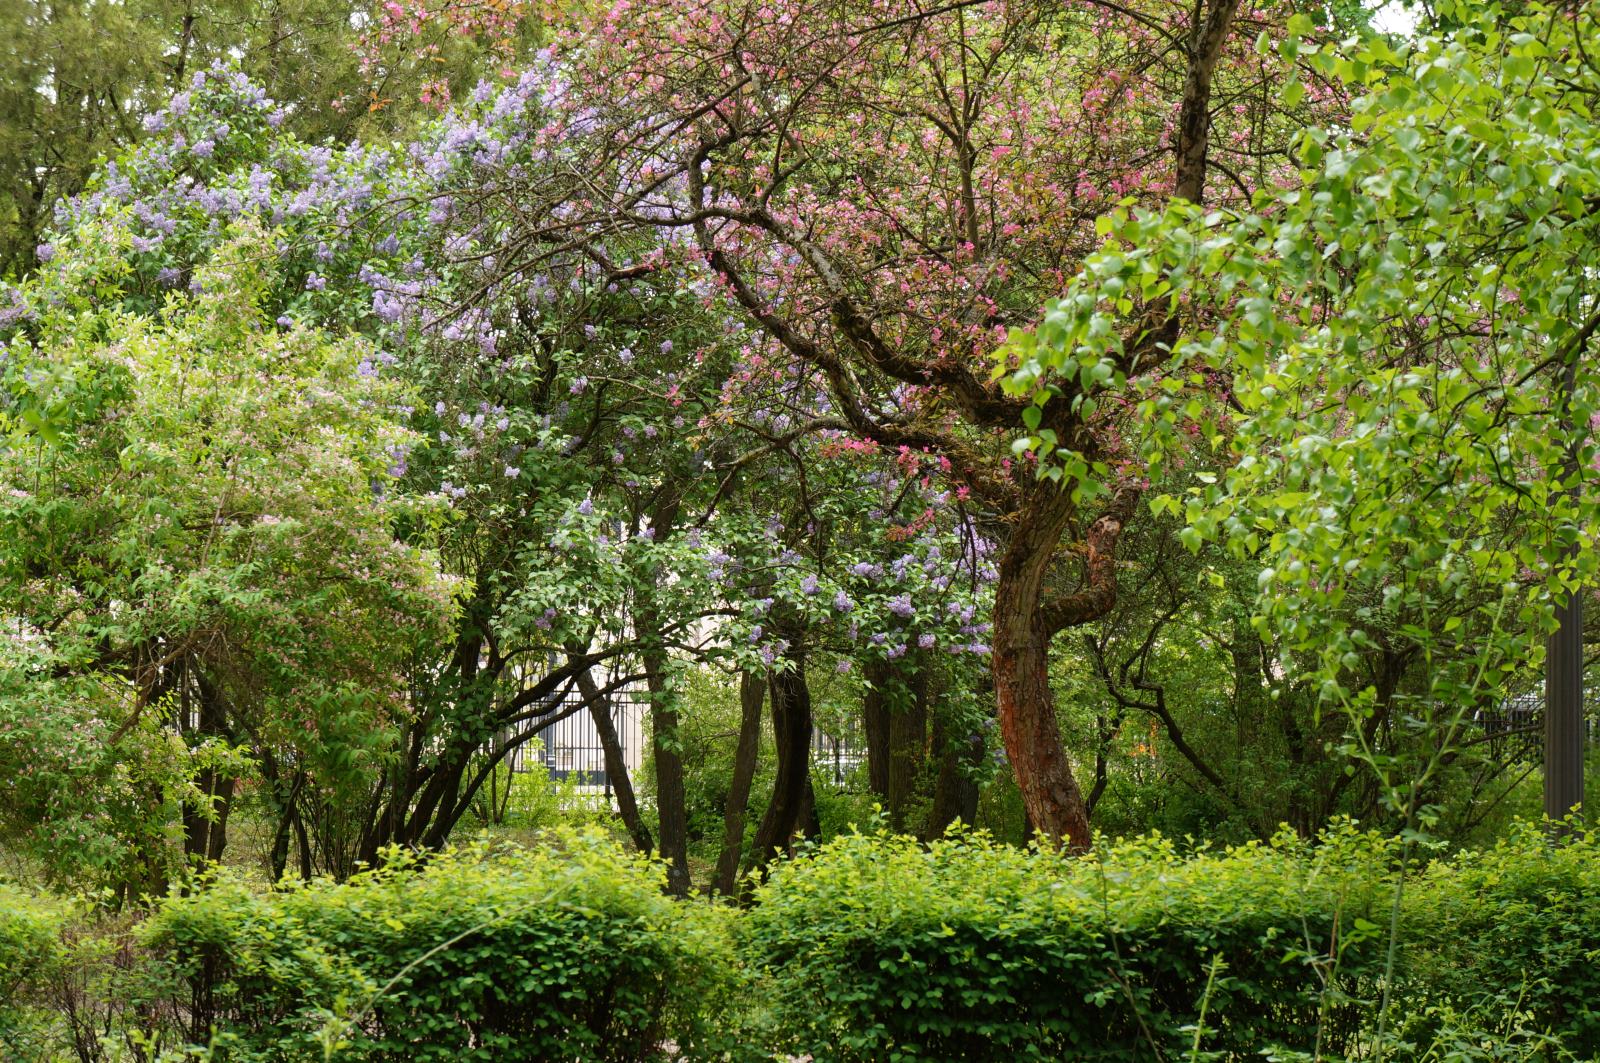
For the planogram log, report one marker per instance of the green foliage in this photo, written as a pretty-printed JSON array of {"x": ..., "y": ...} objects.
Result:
[
  {"x": 194, "y": 511},
  {"x": 708, "y": 726},
  {"x": 531, "y": 802},
  {"x": 81, "y": 795},
  {"x": 867, "y": 947},
  {"x": 30, "y": 951},
  {"x": 1401, "y": 335},
  {"x": 881, "y": 949},
  {"x": 568, "y": 952},
  {"x": 1521, "y": 919}
]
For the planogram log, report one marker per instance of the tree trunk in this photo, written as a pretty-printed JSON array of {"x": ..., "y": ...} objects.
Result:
[
  {"x": 875, "y": 722},
  {"x": 791, "y": 725},
  {"x": 1021, "y": 664},
  {"x": 955, "y": 793},
  {"x": 752, "y": 695},
  {"x": 808, "y": 824},
  {"x": 671, "y": 805},
  {"x": 205, "y": 827},
  {"x": 616, "y": 763}
]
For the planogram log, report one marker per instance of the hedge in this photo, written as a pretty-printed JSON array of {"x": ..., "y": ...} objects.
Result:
[
  {"x": 567, "y": 952},
  {"x": 870, "y": 947},
  {"x": 1517, "y": 927},
  {"x": 878, "y": 948}
]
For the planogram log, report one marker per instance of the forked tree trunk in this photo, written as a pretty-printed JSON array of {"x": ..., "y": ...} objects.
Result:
[
  {"x": 752, "y": 696},
  {"x": 791, "y": 725},
  {"x": 1025, "y": 622},
  {"x": 1021, "y": 663}
]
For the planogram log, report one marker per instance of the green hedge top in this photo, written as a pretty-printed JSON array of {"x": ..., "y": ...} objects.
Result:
[
  {"x": 570, "y": 951},
  {"x": 877, "y": 947}
]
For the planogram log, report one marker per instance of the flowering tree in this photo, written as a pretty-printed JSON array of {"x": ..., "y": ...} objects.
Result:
[
  {"x": 191, "y": 537},
  {"x": 583, "y": 426},
  {"x": 885, "y": 195}
]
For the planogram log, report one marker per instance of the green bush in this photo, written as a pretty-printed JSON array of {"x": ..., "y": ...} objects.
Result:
[
  {"x": 868, "y": 947},
  {"x": 568, "y": 952},
  {"x": 30, "y": 952},
  {"x": 878, "y": 948},
  {"x": 1517, "y": 924}
]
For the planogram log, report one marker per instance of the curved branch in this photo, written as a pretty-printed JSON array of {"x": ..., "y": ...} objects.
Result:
[{"x": 1099, "y": 593}]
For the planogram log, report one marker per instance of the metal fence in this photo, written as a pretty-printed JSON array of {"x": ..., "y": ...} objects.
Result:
[
  {"x": 571, "y": 749},
  {"x": 839, "y": 755},
  {"x": 1515, "y": 726}
]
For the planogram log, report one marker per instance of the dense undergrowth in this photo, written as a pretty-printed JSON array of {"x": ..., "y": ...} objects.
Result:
[{"x": 872, "y": 947}]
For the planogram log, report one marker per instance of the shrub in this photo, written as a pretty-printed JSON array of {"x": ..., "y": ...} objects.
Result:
[
  {"x": 568, "y": 952},
  {"x": 30, "y": 951},
  {"x": 1518, "y": 925},
  {"x": 878, "y": 948}
]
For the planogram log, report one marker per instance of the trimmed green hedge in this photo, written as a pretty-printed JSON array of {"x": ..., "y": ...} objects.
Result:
[
  {"x": 869, "y": 948},
  {"x": 879, "y": 948},
  {"x": 1515, "y": 927},
  {"x": 568, "y": 952}
]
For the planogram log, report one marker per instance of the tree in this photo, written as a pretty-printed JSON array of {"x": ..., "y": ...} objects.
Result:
[
  {"x": 1404, "y": 335},
  {"x": 881, "y": 197},
  {"x": 197, "y": 534},
  {"x": 81, "y": 80}
]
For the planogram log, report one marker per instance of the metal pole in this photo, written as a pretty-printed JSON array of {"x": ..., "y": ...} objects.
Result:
[
  {"x": 1563, "y": 662},
  {"x": 1563, "y": 711}
]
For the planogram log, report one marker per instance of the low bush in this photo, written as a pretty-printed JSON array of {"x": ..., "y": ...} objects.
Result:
[
  {"x": 878, "y": 948},
  {"x": 30, "y": 951},
  {"x": 1517, "y": 924},
  {"x": 568, "y": 952},
  {"x": 870, "y": 947}
]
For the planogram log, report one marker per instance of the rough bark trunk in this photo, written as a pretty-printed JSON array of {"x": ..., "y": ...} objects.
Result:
[
  {"x": 875, "y": 723},
  {"x": 791, "y": 725},
  {"x": 1021, "y": 663},
  {"x": 616, "y": 763},
  {"x": 752, "y": 696}
]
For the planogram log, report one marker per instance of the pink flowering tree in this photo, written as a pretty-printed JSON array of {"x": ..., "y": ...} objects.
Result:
[{"x": 884, "y": 196}]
